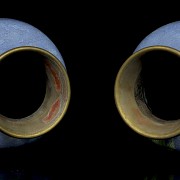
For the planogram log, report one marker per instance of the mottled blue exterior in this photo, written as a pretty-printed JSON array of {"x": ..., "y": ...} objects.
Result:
[
  {"x": 15, "y": 33},
  {"x": 167, "y": 35}
]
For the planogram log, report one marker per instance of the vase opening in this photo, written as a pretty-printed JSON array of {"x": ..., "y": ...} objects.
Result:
[
  {"x": 23, "y": 84},
  {"x": 147, "y": 93},
  {"x": 159, "y": 80},
  {"x": 35, "y": 91}
]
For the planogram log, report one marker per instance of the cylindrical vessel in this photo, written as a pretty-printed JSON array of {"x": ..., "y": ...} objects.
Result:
[
  {"x": 35, "y": 87},
  {"x": 146, "y": 91}
]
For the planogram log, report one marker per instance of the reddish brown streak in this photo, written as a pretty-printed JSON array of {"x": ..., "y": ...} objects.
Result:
[
  {"x": 55, "y": 75},
  {"x": 52, "y": 111}
]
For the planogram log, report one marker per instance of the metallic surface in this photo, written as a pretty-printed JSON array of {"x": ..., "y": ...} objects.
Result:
[
  {"x": 17, "y": 36},
  {"x": 139, "y": 117},
  {"x": 55, "y": 103},
  {"x": 168, "y": 38}
]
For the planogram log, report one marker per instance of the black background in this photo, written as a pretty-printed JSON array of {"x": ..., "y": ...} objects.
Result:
[{"x": 92, "y": 140}]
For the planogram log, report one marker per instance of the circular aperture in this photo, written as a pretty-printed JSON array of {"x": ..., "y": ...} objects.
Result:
[
  {"x": 34, "y": 93},
  {"x": 160, "y": 77},
  {"x": 23, "y": 84}
]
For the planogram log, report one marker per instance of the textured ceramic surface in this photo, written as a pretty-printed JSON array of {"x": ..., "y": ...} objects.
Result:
[
  {"x": 13, "y": 34},
  {"x": 166, "y": 35},
  {"x": 129, "y": 91}
]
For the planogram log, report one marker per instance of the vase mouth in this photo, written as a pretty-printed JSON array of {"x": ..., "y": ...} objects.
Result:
[
  {"x": 54, "y": 104},
  {"x": 130, "y": 98}
]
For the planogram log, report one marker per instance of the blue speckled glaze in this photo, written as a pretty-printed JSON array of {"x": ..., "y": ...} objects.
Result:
[
  {"x": 15, "y": 33},
  {"x": 167, "y": 35}
]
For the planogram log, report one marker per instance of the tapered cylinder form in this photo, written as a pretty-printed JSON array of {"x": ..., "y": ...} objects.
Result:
[
  {"x": 138, "y": 105},
  {"x": 35, "y": 87},
  {"x": 19, "y": 116},
  {"x": 147, "y": 92}
]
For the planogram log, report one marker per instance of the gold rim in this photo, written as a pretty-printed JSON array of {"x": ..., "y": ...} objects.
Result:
[
  {"x": 118, "y": 96},
  {"x": 57, "y": 119}
]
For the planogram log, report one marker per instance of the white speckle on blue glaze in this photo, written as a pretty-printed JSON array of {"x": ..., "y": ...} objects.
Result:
[
  {"x": 167, "y": 35},
  {"x": 15, "y": 33}
]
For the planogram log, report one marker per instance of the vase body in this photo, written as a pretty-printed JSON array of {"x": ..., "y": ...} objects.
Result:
[
  {"x": 129, "y": 92},
  {"x": 17, "y": 37}
]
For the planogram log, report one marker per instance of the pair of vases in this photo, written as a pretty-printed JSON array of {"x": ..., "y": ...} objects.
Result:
[{"x": 136, "y": 96}]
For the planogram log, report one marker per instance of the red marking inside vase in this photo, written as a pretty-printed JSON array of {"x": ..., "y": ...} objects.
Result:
[
  {"x": 53, "y": 111},
  {"x": 55, "y": 76}
]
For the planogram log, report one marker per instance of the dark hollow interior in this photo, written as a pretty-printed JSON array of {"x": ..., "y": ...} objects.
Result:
[
  {"x": 23, "y": 84},
  {"x": 160, "y": 77}
]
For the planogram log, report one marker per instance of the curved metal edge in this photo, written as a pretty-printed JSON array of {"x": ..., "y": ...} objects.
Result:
[
  {"x": 45, "y": 52},
  {"x": 116, "y": 94}
]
